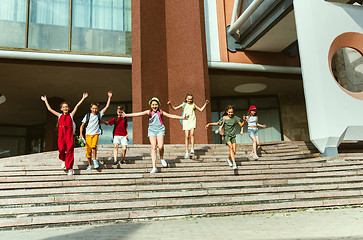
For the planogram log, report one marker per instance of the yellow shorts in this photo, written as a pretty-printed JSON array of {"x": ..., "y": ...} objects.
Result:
[{"x": 91, "y": 143}]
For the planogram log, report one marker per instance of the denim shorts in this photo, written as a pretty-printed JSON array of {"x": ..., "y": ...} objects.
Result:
[{"x": 253, "y": 131}]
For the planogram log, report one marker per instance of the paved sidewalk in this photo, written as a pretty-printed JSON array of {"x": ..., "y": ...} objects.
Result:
[{"x": 305, "y": 225}]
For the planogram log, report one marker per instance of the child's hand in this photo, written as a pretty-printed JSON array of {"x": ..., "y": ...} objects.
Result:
[
  {"x": 244, "y": 118},
  {"x": 123, "y": 114},
  {"x": 85, "y": 95},
  {"x": 186, "y": 117},
  {"x": 44, "y": 98},
  {"x": 206, "y": 101},
  {"x": 109, "y": 94},
  {"x": 264, "y": 125},
  {"x": 168, "y": 103},
  {"x": 206, "y": 126},
  {"x": 241, "y": 132},
  {"x": 127, "y": 137}
]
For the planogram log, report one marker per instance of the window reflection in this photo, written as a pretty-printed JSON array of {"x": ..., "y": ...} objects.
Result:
[{"x": 13, "y": 23}]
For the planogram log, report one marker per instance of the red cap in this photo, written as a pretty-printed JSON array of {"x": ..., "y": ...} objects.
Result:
[{"x": 253, "y": 107}]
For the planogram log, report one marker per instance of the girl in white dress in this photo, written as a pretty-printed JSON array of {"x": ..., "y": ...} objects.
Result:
[{"x": 189, "y": 125}]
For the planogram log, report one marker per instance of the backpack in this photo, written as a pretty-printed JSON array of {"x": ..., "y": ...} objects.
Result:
[
  {"x": 220, "y": 130},
  {"x": 88, "y": 115},
  {"x": 181, "y": 121},
  {"x": 114, "y": 125},
  {"x": 159, "y": 113}
]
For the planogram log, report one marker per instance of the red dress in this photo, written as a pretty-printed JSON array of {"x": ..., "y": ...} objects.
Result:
[{"x": 65, "y": 140}]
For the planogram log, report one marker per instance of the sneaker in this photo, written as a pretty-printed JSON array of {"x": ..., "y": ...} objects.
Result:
[
  {"x": 255, "y": 156},
  {"x": 114, "y": 163},
  {"x": 89, "y": 168},
  {"x": 63, "y": 166},
  {"x": 164, "y": 163},
  {"x": 186, "y": 155},
  {"x": 234, "y": 166},
  {"x": 123, "y": 162},
  {"x": 229, "y": 162},
  {"x": 154, "y": 170},
  {"x": 70, "y": 172},
  {"x": 192, "y": 151},
  {"x": 95, "y": 164}
]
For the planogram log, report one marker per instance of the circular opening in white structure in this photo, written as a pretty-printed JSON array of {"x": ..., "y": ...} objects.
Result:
[
  {"x": 347, "y": 68},
  {"x": 250, "y": 88},
  {"x": 2, "y": 98}
]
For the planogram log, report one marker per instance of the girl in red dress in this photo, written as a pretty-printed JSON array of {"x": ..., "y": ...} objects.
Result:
[{"x": 65, "y": 132}]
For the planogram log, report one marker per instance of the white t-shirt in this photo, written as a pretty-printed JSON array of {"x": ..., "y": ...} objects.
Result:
[
  {"x": 252, "y": 121},
  {"x": 93, "y": 125}
]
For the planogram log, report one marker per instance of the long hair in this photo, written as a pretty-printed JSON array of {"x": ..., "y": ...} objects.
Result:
[
  {"x": 188, "y": 95},
  {"x": 158, "y": 106},
  {"x": 228, "y": 107}
]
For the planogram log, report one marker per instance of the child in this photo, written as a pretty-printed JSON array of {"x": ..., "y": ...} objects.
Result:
[
  {"x": 189, "y": 125},
  {"x": 230, "y": 122},
  {"x": 92, "y": 121},
  {"x": 119, "y": 134},
  {"x": 66, "y": 129},
  {"x": 156, "y": 130},
  {"x": 252, "y": 122}
]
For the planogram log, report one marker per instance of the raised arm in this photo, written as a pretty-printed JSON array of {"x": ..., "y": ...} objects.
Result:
[
  {"x": 202, "y": 108},
  {"x": 261, "y": 125},
  {"x": 175, "y": 108},
  {"x": 137, "y": 114},
  {"x": 85, "y": 95},
  {"x": 108, "y": 102},
  {"x": 168, "y": 115},
  {"x": 45, "y": 100}
]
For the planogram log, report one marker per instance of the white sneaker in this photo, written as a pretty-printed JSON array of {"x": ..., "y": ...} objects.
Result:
[
  {"x": 70, "y": 172},
  {"x": 89, "y": 168},
  {"x": 154, "y": 170},
  {"x": 255, "y": 157},
  {"x": 63, "y": 166},
  {"x": 95, "y": 164},
  {"x": 192, "y": 151},
  {"x": 186, "y": 155},
  {"x": 229, "y": 162},
  {"x": 164, "y": 163},
  {"x": 234, "y": 166}
]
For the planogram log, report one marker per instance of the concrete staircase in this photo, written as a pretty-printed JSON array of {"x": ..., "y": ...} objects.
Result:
[{"x": 34, "y": 192}]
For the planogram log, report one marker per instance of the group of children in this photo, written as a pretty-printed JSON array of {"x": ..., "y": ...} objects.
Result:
[{"x": 156, "y": 130}]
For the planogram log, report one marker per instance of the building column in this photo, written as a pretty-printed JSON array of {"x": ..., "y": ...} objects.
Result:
[
  {"x": 169, "y": 60},
  {"x": 51, "y": 130}
]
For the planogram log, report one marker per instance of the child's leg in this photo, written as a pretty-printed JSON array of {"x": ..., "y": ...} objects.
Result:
[
  {"x": 70, "y": 149},
  {"x": 123, "y": 153},
  {"x": 62, "y": 148},
  {"x": 94, "y": 146},
  {"x": 89, "y": 149},
  {"x": 161, "y": 145},
  {"x": 192, "y": 137},
  {"x": 186, "y": 140},
  {"x": 254, "y": 144},
  {"x": 231, "y": 152},
  {"x": 115, "y": 151},
  {"x": 153, "y": 150}
]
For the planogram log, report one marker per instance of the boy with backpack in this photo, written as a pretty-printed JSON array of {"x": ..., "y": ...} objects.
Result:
[
  {"x": 119, "y": 134},
  {"x": 92, "y": 120}
]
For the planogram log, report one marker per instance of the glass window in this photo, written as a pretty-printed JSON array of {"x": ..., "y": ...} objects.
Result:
[
  {"x": 49, "y": 24},
  {"x": 13, "y": 23},
  {"x": 101, "y": 26}
]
